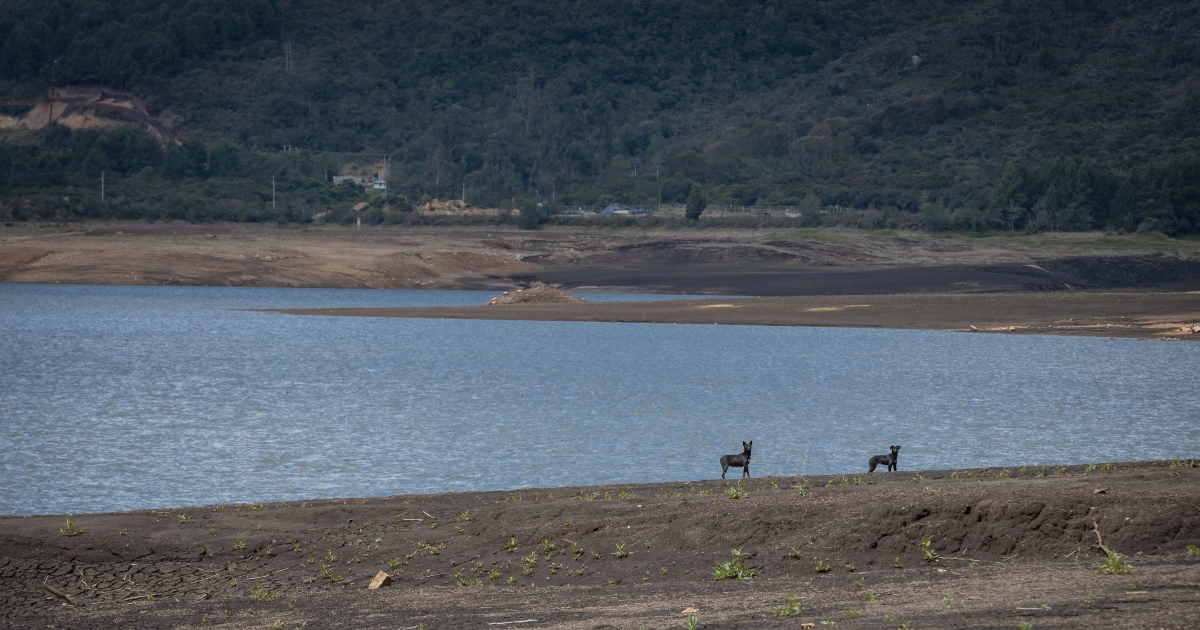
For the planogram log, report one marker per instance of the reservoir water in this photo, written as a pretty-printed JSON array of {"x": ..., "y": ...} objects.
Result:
[{"x": 116, "y": 398}]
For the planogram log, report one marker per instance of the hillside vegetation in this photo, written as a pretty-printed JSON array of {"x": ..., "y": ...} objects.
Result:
[{"x": 991, "y": 114}]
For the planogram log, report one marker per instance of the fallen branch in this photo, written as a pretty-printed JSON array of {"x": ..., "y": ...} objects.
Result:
[
  {"x": 428, "y": 514},
  {"x": 269, "y": 574},
  {"x": 61, "y": 595},
  {"x": 129, "y": 599},
  {"x": 505, "y": 623},
  {"x": 1099, "y": 540}
]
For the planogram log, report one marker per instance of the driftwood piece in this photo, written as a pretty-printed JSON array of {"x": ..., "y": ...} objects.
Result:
[
  {"x": 1099, "y": 540},
  {"x": 61, "y": 595}
]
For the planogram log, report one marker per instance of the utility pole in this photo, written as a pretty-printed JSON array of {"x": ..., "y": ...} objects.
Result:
[
  {"x": 53, "y": 92},
  {"x": 102, "y": 186},
  {"x": 272, "y": 192},
  {"x": 387, "y": 172},
  {"x": 464, "y": 192}
]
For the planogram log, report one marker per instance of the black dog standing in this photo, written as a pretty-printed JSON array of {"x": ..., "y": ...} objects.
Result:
[
  {"x": 738, "y": 461},
  {"x": 886, "y": 460}
]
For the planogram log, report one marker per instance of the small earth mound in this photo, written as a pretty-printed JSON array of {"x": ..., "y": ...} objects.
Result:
[{"x": 539, "y": 293}]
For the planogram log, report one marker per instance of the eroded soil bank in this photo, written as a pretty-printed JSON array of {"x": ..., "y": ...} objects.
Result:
[{"x": 970, "y": 548}]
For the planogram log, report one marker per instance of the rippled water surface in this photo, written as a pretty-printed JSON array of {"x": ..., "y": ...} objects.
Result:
[{"x": 115, "y": 398}]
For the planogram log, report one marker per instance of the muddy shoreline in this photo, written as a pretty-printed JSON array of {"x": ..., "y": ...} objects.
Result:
[
  {"x": 1009, "y": 546},
  {"x": 1167, "y": 316}
]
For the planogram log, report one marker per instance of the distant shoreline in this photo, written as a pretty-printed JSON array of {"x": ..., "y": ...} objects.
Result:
[{"x": 1142, "y": 315}]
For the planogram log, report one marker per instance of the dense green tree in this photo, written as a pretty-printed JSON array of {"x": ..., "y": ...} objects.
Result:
[
  {"x": 695, "y": 205},
  {"x": 225, "y": 160}
]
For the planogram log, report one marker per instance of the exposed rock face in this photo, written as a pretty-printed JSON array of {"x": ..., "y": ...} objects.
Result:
[{"x": 539, "y": 293}]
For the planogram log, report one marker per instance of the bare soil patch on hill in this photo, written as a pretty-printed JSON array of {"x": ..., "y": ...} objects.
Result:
[{"x": 931, "y": 549}]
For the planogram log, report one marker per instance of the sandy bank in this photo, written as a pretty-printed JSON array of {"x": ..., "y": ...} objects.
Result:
[{"x": 1140, "y": 315}]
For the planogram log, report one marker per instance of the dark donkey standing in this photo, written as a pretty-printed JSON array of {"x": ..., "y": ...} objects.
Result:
[
  {"x": 738, "y": 461},
  {"x": 886, "y": 460}
]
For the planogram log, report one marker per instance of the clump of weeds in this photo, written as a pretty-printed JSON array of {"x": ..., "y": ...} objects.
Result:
[
  {"x": 72, "y": 529},
  {"x": 822, "y": 566},
  {"x": 260, "y": 594},
  {"x": 931, "y": 554},
  {"x": 792, "y": 607},
  {"x": 528, "y": 563},
  {"x": 734, "y": 569},
  {"x": 1114, "y": 563}
]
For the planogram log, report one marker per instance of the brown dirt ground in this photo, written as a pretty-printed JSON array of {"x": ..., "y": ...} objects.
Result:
[
  {"x": 1014, "y": 546},
  {"x": 1165, "y": 316}
]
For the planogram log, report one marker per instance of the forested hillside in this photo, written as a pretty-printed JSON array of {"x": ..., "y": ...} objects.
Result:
[{"x": 989, "y": 114}]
